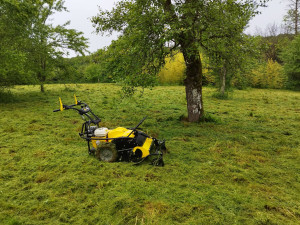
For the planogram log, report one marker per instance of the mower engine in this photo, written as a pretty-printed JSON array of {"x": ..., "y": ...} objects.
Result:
[{"x": 101, "y": 132}]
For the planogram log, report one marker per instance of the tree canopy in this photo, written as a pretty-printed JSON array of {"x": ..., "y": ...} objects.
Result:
[
  {"x": 14, "y": 26},
  {"x": 291, "y": 59},
  {"x": 151, "y": 29},
  {"x": 291, "y": 19}
]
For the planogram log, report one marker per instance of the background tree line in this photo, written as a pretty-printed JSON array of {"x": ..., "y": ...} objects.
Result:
[{"x": 270, "y": 62}]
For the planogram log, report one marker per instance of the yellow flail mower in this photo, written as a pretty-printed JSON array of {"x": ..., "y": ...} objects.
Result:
[{"x": 119, "y": 144}]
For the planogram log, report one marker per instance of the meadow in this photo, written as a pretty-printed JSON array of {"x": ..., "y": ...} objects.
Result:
[{"x": 240, "y": 166}]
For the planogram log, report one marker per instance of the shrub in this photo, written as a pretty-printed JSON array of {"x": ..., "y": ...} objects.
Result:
[
  {"x": 96, "y": 73},
  {"x": 5, "y": 95},
  {"x": 268, "y": 75},
  {"x": 173, "y": 71}
]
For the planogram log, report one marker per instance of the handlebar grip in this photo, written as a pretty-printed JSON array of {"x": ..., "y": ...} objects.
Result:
[{"x": 56, "y": 110}]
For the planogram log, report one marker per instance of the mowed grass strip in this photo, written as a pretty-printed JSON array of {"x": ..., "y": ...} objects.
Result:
[{"x": 242, "y": 167}]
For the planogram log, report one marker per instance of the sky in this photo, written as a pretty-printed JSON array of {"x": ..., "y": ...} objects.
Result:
[{"x": 81, "y": 11}]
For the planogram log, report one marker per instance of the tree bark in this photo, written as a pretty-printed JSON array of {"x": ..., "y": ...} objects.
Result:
[
  {"x": 193, "y": 86},
  {"x": 296, "y": 17},
  {"x": 42, "y": 73},
  {"x": 223, "y": 80},
  {"x": 42, "y": 87}
]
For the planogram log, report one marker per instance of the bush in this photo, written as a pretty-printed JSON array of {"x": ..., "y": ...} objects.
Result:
[
  {"x": 96, "y": 73},
  {"x": 6, "y": 96},
  {"x": 221, "y": 96},
  {"x": 174, "y": 70},
  {"x": 268, "y": 75}
]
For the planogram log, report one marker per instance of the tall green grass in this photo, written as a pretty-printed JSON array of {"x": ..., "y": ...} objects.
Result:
[{"x": 241, "y": 166}]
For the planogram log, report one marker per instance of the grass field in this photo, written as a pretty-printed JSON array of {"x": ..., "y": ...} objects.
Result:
[{"x": 242, "y": 167}]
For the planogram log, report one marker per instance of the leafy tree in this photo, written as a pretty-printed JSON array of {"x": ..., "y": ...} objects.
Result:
[
  {"x": 14, "y": 26},
  {"x": 49, "y": 43},
  {"x": 272, "y": 42},
  {"x": 91, "y": 68},
  {"x": 66, "y": 70},
  {"x": 268, "y": 74},
  {"x": 229, "y": 58},
  {"x": 228, "y": 54},
  {"x": 291, "y": 19},
  {"x": 148, "y": 26},
  {"x": 30, "y": 44},
  {"x": 99, "y": 69},
  {"x": 291, "y": 59}
]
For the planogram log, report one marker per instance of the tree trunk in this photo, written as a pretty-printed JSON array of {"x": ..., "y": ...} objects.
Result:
[
  {"x": 42, "y": 74},
  {"x": 193, "y": 86},
  {"x": 42, "y": 87},
  {"x": 223, "y": 80},
  {"x": 296, "y": 17},
  {"x": 190, "y": 50},
  {"x": 42, "y": 79}
]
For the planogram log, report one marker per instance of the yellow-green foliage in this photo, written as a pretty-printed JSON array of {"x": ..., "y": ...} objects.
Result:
[
  {"x": 269, "y": 75},
  {"x": 208, "y": 76},
  {"x": 173, "y": 71}
]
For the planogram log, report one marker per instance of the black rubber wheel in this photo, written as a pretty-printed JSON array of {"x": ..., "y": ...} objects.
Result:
[
  {"x": 137, "y": 155},
  {"x": 108, "y": 153}
]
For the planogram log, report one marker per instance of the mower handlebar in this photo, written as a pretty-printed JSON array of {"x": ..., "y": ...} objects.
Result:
[
  {"x": 136, "y": 127},
  {"x": 68, "y": 106}
]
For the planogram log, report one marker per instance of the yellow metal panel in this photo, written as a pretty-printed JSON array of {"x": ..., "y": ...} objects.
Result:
[
  {"x": 61, "y": 107},
  {"x": 145, "y": 148},
  {"x": 119, "y": 132},
  {"x": 148, "y": 143},
  {"x": 76, "y": 102}
]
